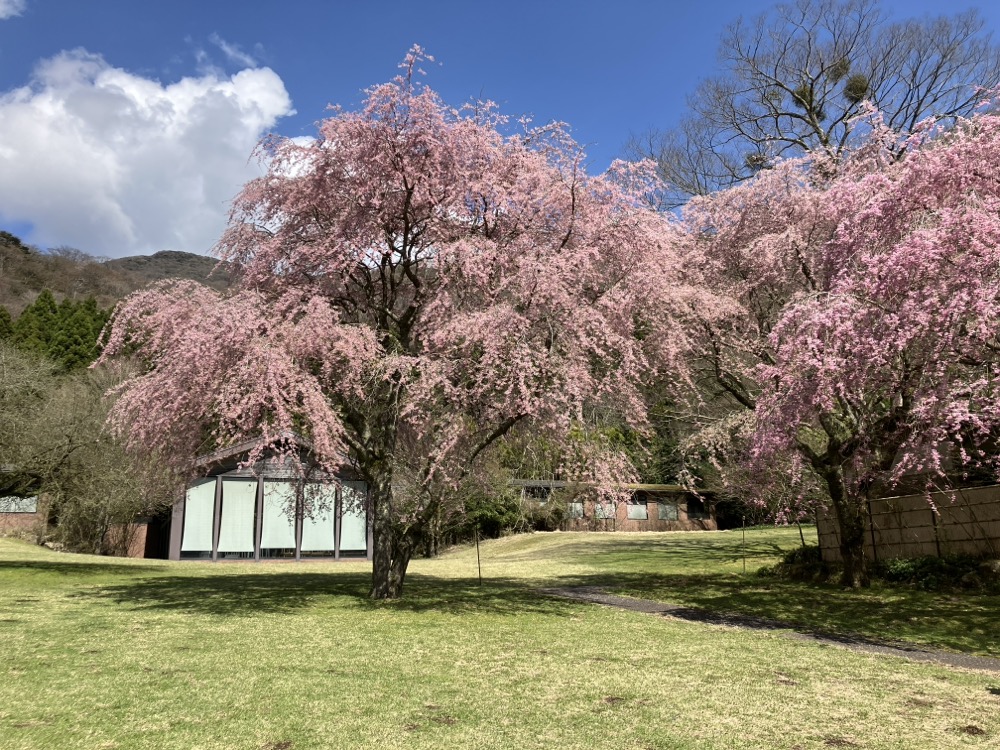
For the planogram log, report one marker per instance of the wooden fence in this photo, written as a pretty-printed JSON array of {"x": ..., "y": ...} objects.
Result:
[{"x": 965, "y": 522}]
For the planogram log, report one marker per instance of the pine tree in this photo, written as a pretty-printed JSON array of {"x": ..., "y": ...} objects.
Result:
[
  {"x": 6, "y": 324},
  {"x": 37, "y": 325},
  {"x": 74, "y": 345},
  {"x": 66, "y": 332}
]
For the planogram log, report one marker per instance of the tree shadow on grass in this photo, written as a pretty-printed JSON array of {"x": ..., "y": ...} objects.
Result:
[
  {"x": 495, "y": 596},
  {"x": 248, "y": 594},
  {"x": 81, "y": 568},
  {"x": 963, "y": 622}
]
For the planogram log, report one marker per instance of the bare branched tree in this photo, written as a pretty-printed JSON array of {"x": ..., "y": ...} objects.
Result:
[
  {"x": 53, "y": 441},
  {"x": 796, "y": 79}
]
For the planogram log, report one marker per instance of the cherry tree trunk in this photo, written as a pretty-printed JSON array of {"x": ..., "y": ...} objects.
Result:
[
  {"x": 852, "y": 549},
  {"x": 392, "y": 548},
  {"x": 849, "y": 513}
]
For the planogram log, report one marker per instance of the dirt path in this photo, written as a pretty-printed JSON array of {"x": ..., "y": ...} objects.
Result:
[{"x": 854, "y": 642}]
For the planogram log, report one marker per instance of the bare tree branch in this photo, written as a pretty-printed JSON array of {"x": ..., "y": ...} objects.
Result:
[{"x": 795, "y": 81}]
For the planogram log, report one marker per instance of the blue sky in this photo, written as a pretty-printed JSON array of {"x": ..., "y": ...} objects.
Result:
[{"x": 125, "y": 126}]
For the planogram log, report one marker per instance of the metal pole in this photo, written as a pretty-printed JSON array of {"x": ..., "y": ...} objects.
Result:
[
  {"x": 871, "y": 528},
  {"x": 744, "y": 545},
  {"x": 479, "y": 563}
]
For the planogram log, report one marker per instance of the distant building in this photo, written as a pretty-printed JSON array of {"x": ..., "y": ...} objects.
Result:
[
  {"x": 23, "y": 516},
  {"x": 651, "y": 507}
]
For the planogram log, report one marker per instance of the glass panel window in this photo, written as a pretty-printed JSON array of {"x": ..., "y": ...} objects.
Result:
[
  {"x": 199, "y": 517},
  {"x": 277, "y": 538},
  {"x": 353, "y": 519},
  {"x": 637, "y": 511},
  {"x": 317, "y": 520},
  {"x": 574, "y": 510},
  {"x": 239, "y": 511},
  {"x": 668, "y": 511},
  {"x": 604, "y": 510},
  {"x": 11, "y": 504}
]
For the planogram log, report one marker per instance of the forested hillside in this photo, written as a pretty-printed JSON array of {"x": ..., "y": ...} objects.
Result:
[
  {"x": 53, "y": 306},
  {"x": 55, "y": 303},
  {"x": 74, "y": 275}
]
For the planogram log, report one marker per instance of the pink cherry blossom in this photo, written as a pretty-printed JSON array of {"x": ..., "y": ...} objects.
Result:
[
  {"x": 412, "y": 285},
  {"x": 852, "y": 309}
]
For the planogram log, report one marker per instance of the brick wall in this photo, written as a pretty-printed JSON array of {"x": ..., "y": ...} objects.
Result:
[
  {"x": 25, "y": 524},
  {"x": 620, "y": 521},
  {"x": 130, "y": 536}
]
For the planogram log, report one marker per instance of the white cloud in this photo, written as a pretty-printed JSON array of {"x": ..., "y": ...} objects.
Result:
[
  {"x": 232, "y": 52},
  {"x": 115, "y": 164},
  {"x": 11, "y": 8}
]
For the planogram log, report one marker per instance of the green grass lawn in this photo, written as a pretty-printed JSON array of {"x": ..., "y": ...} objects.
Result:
[
  {"x": 100, "y": 653},
  {"x": 706, "y": 571}
]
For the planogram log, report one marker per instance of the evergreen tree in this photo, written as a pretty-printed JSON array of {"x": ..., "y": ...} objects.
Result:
[
  {"x": 66, "y": 332},
  {"x": 6, "y": 324},
  {"x": 74, "y": 345},
  {"x": 37, "y": 325}
]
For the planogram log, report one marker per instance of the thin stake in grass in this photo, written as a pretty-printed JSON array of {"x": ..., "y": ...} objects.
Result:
[
  {"x": 744, "y": 545},
  {"x": 479, "y": 564}
]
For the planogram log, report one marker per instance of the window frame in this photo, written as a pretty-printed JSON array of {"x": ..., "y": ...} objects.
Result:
[
  {"x": 637, "y": 505},
  {"x": 666, "y": 507}
]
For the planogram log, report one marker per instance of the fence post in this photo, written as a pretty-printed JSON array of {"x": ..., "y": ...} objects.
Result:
[
  {"x": 934, "y": 523},
  {"x": 871, "y": 529}
]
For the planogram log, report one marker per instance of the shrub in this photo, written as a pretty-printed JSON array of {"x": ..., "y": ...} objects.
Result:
[
  {"x": 941, "y": 573},
  {"x": 492, "y": 516},
  {"x": 800, "y": 564},
  {"x": 951, "y": 572}
]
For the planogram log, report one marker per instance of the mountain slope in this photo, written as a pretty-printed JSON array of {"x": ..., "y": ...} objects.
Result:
[
  {"x": 172, "y": 264},
  {"x": 72, "y": 274}
]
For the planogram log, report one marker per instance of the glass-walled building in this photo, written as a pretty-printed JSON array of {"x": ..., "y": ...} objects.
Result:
[{"x": 265, "y": 513}]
